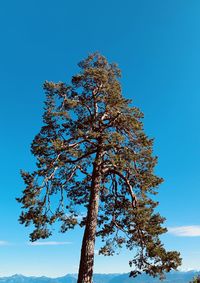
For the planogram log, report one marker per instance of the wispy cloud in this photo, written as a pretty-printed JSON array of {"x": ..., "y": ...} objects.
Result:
[
  {"x": 96, "y": 252},
  {"x": 185, "y": 231},
  {"x": 50, "y": 243},
  {"x": 4, "y": 243}
]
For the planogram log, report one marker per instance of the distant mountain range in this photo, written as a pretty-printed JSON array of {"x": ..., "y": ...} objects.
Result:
[{"x": 173, "y": 277}]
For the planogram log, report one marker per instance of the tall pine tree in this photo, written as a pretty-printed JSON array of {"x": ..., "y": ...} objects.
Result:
[{"x": 93, "y": 154}]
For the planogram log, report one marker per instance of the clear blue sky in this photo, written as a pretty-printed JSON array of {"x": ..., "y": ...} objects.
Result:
[{"x": 157, "y": 46}]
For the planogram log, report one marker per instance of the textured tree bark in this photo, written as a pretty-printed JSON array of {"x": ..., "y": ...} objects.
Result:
[{"x": 87, "y": 251}]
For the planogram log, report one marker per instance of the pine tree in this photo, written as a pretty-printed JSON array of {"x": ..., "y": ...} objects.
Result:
[
  {"x": 196, "y": 279},
  {"x": 93, "y": 155}
]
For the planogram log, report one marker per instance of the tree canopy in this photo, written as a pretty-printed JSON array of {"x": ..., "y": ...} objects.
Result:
[{"x": 93, "y": 136}]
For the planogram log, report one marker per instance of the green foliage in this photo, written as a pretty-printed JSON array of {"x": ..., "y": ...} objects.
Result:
[
  {"x": 80, "y": 118},
  {"x": 196, "y": 279}
]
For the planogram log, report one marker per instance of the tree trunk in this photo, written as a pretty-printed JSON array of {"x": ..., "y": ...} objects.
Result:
[{"x": 87, "y": 251}]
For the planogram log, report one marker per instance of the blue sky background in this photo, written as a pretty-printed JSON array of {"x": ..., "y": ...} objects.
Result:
[{"x": 157, "y": 46}]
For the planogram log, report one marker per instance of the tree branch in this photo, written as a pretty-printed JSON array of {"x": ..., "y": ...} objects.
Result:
[
  {"x": 81, "y": 157},
  {"x": 133, "y": 196}
]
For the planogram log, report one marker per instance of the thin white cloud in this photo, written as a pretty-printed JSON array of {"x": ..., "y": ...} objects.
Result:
[
  {"x": 96, "y": 252},
  {"x": 4, "y": 243},
  {"x": 50, "y": 243},
  {"x": 185, "y": 231}
]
